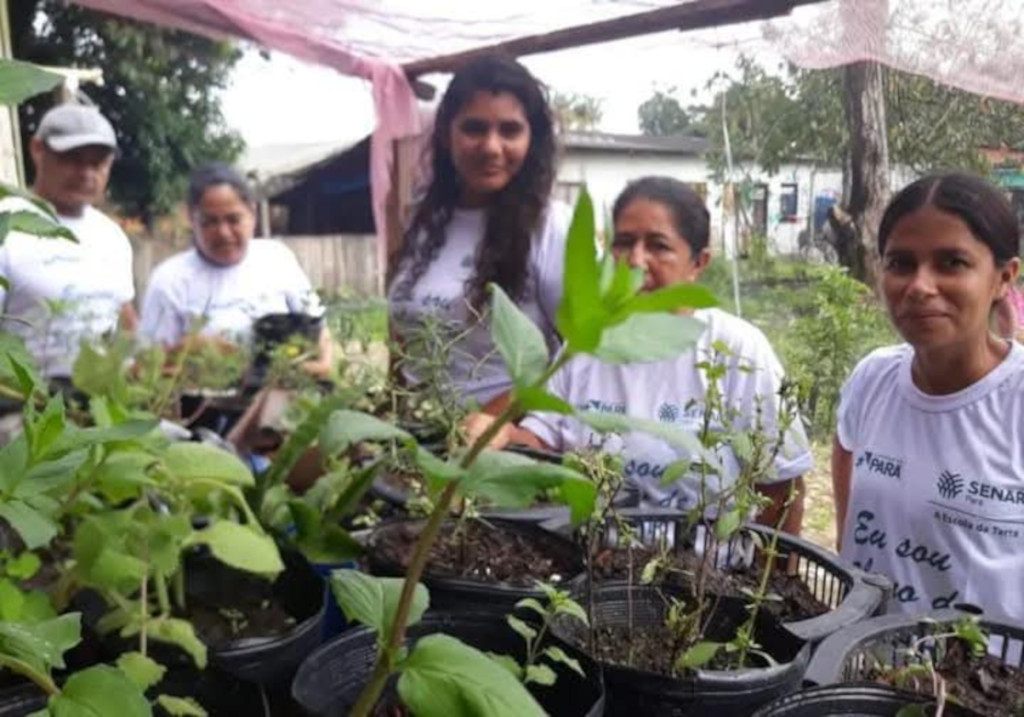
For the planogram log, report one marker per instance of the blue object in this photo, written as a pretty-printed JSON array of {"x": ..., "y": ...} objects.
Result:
[{"x": 334, "y": 618}]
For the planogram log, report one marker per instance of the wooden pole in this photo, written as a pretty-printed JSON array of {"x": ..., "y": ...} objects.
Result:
[{"x": 693, "y": 15}]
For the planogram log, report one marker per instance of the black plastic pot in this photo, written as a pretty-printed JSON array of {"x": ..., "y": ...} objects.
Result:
[
  {"x": 852, "y": 594},
  {"x": 457, "y": 593},
  {"x": 633, "y": 692},
  {"x": 330, "y": 680},
  {"x": 21, "y": 700},
  {"x": 853, "y": 700},
  {"x": 848, "y": 655},
  {"x": 265, "y": 660},
  {"x": 272, "y": 330}
]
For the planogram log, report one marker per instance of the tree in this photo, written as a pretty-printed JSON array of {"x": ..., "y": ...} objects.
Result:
[
  {"x": 577, "y": 111},
  {"x": 161, "y": 93},
  {"x": 842, "y": 116},
  {"x": 662, "y": 114}
]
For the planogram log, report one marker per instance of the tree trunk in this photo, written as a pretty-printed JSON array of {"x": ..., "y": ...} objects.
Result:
[{"x": 866, "y": 187}]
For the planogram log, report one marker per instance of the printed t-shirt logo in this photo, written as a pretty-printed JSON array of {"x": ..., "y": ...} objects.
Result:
[{"x": 950, "y": 485}]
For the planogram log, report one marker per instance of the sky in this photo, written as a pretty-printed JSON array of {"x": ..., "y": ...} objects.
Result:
[{"x": 285, "y": 101}]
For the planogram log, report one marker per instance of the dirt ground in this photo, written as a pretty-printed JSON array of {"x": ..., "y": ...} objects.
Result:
[{"x": 819, "y": 508}]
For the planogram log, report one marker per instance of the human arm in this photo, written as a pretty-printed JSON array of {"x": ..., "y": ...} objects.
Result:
[
  {"x": 779, "y": 493},
  {"x": 128, "y": 319},
  {"x": 476, "y": 424}
]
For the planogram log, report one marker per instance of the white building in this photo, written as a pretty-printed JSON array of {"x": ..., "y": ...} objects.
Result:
[{"x": 779, "y": 207}]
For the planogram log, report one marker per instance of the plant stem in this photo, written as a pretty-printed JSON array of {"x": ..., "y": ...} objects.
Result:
[
  {"x": 178, "y": 584},
  {"x": 143, "y": 613},
  {"x": 770, "y": 554},
  {"x": 161, "y": 594},
  {"x": 371, "y": 693},
  {"x": 44, "y": 681}
]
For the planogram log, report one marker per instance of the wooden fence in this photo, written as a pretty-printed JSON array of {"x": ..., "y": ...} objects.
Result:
[{"x": 334, "y": 263}]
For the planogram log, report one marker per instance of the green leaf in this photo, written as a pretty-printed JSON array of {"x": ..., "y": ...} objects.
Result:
[
  {"x": 644, "y": 338},
  {"x": 742, "y": 446},
  {"x": 319, "y": 541},
  {"x": 24, "y": 566},
  {"x": 88, "y": 437},
  {"x": 727, "y": 524},
  {"x": 532, "y": 604},
  {"x": 41, "y": 645},
  {"x": 625, "y": 280},
  {"x": 557, "y": 654},
  {"x": 173, "y": 631},
  {"x": 180, "y": 706},
  {"x": 34, "y": 224},
  {"x": 514, "y": 481},
  {"x": 509, "y": 663},
  {"x": 581, "y": 316},
  {"x": 443, "y": 676},
  {"x": 100, "y": 691},
  {"x": 518, "y": 340},
  {"x": 345, "y": 428},
  {"x": 12, "y": 601},
  {"x": 672, "y": 298},
  {"x": 201, "y": 461},
  {"x": 682, "y": 441},
  {"x": 101, "y": 557},
  {"x": 436, "y": 470},
  {"x": 674, "y": 471},
  {"x": 141, "y": 670},
  {"x": 34, "y": 528},
  {"x": 698, "y": 655},
  {"x": 541, "y": 675},
  {"x": 521, "y": 628},
  {"x": 573, "y": 608},
  {"x": 20, "y": 81},
  {"x": 124, "y": 475},
  {"x": 240, "y": 547},
  {"x": 532, "y": 398},
  {"x": 373, "y": 601}
]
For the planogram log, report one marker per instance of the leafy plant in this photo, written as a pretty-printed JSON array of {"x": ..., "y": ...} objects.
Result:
[
  {"x": 557, "y": 602},
  {"x": 35, "y": 650},
  {"x": 602, "y": 314}
]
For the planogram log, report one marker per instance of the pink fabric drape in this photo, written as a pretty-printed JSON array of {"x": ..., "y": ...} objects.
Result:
[
  {"x": 299, "y": 31},
  {"x": 975, "y": 45}
]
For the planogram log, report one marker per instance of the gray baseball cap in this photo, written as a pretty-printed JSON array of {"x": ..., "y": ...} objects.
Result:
[{"x": 70, "y": 126}]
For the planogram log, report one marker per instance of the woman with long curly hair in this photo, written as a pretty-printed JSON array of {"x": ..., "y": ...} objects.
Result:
[{"x": 486, "y": 217}]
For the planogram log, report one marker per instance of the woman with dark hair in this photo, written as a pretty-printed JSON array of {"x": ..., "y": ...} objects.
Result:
[
  {"x": 227, "y": 280},
  {"x": 662, "y": 226},
  {"x": 928, "y": 461},
  {"x": 486, "y": 217}
]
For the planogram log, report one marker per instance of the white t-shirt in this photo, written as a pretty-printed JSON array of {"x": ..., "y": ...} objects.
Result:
[
  {"x": 937, "y": 492},
  {"x": 62, "y": 292},
  {"x": 187, "y": 289},
  {"x": 476, "y": 371},
  {"x": 672, "y": 391}
]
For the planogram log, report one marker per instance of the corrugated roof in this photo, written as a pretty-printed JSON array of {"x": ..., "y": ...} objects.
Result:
[{"x": 635, "y": 143}]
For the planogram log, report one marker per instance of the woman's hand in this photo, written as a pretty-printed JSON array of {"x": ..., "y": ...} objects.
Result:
[{"x": 476, "y": 424}]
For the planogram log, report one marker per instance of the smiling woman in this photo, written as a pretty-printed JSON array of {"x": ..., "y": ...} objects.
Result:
[
  {"x": 228, "y": 280},
  {"x": 943, "y": 412},
  {"x": 662, "y": 228},
  {"x": 485, "y": 216}
]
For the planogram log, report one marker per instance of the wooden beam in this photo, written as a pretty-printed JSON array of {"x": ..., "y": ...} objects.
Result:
[{"x": 693, "y": 15}]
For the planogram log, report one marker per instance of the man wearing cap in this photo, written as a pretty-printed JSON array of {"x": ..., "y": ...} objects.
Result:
[{"x": 60, "y": 292}]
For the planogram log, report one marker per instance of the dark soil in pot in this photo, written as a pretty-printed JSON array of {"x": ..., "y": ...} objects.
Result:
[
  {"x": 797, "y": 601},
  {"x": 636, "y": 651},
  {"x": 984, "y": 685},
  {"x": 488, "y": 564},
  {"x": 485, "y": 551}
]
